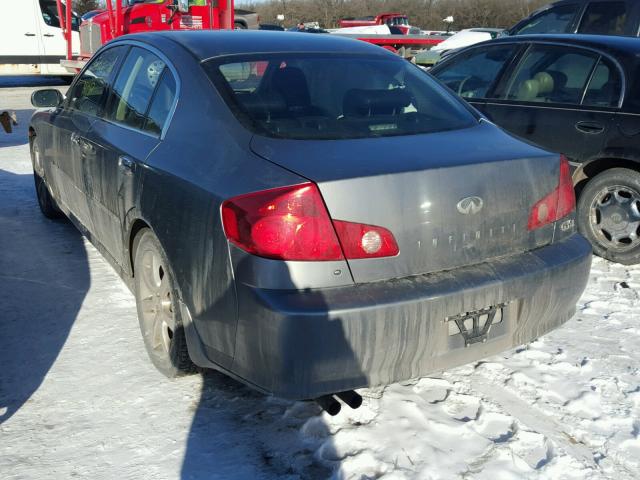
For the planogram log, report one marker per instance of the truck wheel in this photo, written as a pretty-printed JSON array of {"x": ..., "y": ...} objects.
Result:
[
  {"x": 609, "y": 215},
  {"x": 158, "y": 308},
  {"x": 47, "y": 203},
  {"x": 239, "y": 26}
]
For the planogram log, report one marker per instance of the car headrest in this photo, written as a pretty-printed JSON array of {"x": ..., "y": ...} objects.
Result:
[
  {"x": 545, "y": 82},
  {"x": 365, "y": 103},
  {"x": 291, "y": 83},
  {"x": 528, "y": 90}
]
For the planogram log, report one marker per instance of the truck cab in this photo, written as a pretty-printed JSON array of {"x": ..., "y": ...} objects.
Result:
[{"x": 31, "y": 38}]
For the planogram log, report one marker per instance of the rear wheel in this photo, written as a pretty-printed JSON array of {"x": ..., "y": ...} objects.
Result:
[
  {"x": 158, "y": 308},
  {"x": 239, "y": 26},
  {"x": 47, "y": 203},
  {"x": 609, "y": 215}
]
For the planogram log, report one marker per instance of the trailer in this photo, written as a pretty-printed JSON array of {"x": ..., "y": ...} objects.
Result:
[{"x": 126, "y": 17}]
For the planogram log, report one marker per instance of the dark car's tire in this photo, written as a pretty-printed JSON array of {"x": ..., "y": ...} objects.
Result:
[
  {"x": 47, "y": 203},
  {"x": 239, "y": 26},
  {"x": 158, "y": 308},
  {"x": 609, "y": 215}
]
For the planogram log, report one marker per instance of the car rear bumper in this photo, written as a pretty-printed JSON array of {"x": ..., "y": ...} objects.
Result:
[{"x": 303, "y": 344}]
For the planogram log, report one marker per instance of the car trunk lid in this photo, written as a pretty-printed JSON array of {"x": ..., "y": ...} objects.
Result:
[{"x": 450, "y": 199}]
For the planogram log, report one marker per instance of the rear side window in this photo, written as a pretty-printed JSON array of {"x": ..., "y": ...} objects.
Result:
[
  {"x": 604, "y": 18},
  {"x": 90, "y": 91},
  {"x": 605, "y": 87},
  {"x": 471, "y": 75},
  {"x": 161, "y": 104},
  {"x": 552, "y": 74},
  {"x": 554, "y": 20},
  {"x": 335, "y": 96},
  {"x": 135, "y": 85}
]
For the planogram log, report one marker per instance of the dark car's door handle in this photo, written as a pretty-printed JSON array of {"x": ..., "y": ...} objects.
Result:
[
  {"x": 590, "y": 127},
  {"x": 127, "y": 165}
]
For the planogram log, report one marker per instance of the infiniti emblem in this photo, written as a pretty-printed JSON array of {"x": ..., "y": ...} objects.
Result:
[{"x": 470, "y": 205}]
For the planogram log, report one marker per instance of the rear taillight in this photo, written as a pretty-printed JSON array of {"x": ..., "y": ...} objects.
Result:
[
  {"x": 558, "y": 204},
  {"x": 365, "y": 241},
  {"x": 292, "y": 223}
]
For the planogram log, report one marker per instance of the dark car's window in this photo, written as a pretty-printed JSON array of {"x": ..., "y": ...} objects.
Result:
[
  {"x": 471, "y": 75},
  {"x": 604, "y": 18},
  {"x": 605, "y": 87},
  {"x": 134, "y": 87},
  {"x": 89, "y": 93},
  {"x": 554, "y": 20},
  {"x": 333, "y": 96},
  {"x": 552, "y": 74},
  {"x": 161, "y": 104}
]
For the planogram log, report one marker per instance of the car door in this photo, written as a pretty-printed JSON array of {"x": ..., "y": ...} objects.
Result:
[
  {"x": 54, "y": 46},
  {"x": 20, "y": 52},
  {"x": 560, "y": 98},
  {"x": 142, "y": 97},
  {"x": 472, "y": 74},
  {"x": 71, "y": 125}
]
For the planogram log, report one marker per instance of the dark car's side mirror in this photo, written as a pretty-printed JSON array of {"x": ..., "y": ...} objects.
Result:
[{"x": 47, "y": 98}]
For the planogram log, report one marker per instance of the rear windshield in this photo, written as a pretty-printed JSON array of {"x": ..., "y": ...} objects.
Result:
[{"x": 328, "y": 96}]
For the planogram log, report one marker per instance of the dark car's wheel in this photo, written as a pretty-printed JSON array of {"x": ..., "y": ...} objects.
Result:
[
  {"x": 46, "y": 202},
  {"x": 239, "y": 26},
  {"x": 158, "y": 309},
  {"x": 609, "y": 215}
]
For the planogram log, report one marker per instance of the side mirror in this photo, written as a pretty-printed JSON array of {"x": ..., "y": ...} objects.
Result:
[
  {"x": 183, "y": 6},
  {"x": 47, "y": 98}
]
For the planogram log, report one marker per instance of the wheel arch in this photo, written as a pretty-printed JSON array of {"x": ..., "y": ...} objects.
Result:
[
  {"x": 588, "y": 170},
  {"x": 136, "y": 225}
]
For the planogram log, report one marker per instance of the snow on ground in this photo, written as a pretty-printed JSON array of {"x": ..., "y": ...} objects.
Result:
[{"x": 79, "y": 399}]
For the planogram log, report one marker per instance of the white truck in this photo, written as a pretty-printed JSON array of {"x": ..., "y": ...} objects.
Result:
[{"x": 31, "y": 41}]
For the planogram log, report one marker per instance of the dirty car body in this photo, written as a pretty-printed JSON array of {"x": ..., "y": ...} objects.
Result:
[{"x": 333, "y": 217}]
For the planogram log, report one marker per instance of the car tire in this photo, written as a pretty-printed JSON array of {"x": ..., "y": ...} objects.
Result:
[
  {"x": 239, "y": 26},
  {"x": 47, "y": 203},
  {"x": 609, "y": 215},
  {"x": 158, "y": 308}
]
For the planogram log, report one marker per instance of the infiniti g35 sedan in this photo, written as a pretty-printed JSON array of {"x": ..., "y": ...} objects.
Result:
[{"x": 310, "y": 219}]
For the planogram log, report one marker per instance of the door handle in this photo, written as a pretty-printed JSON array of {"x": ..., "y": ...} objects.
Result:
[
  {"x": 590, "y": 127},
  {"x": 29, "y": 34},
  {"x": 49, "y": 35},
  {"x": 127, "y": 165}
]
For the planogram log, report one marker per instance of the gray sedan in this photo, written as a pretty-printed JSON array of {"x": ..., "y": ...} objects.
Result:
[{"x": 314, "y": 218}]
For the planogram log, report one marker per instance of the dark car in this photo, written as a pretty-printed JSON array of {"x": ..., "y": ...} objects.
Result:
[
  {"x": 310, "y": 219},
  {"x": 578, "y": 95},
  {"x": 594, "y": 17}
]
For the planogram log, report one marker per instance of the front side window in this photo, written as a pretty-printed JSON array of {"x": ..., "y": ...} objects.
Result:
[
  {"x": 134, "y": 87},
  {"x": 471, "y": 75},
  {"x": 49, "y": 10},
  {"x": 89, "y": 93},
  {"x": 554, "y": 20},
  {"x": 327, "y": 96},
  {"x": 604, "y": 18},
  {"x": 552, "y": 74}
]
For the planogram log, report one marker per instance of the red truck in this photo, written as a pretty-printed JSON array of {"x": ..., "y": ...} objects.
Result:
[
  {"x": 397, "y": 20},
  {"x": 123, "y": 17}
]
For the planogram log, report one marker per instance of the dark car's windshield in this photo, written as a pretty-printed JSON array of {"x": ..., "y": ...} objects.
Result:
[{"x": 330, "y": 96}]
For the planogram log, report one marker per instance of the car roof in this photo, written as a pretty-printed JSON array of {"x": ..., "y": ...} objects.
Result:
[
  {"x": 630, "y": 45},
  {"x": 204, "y": 44}
]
